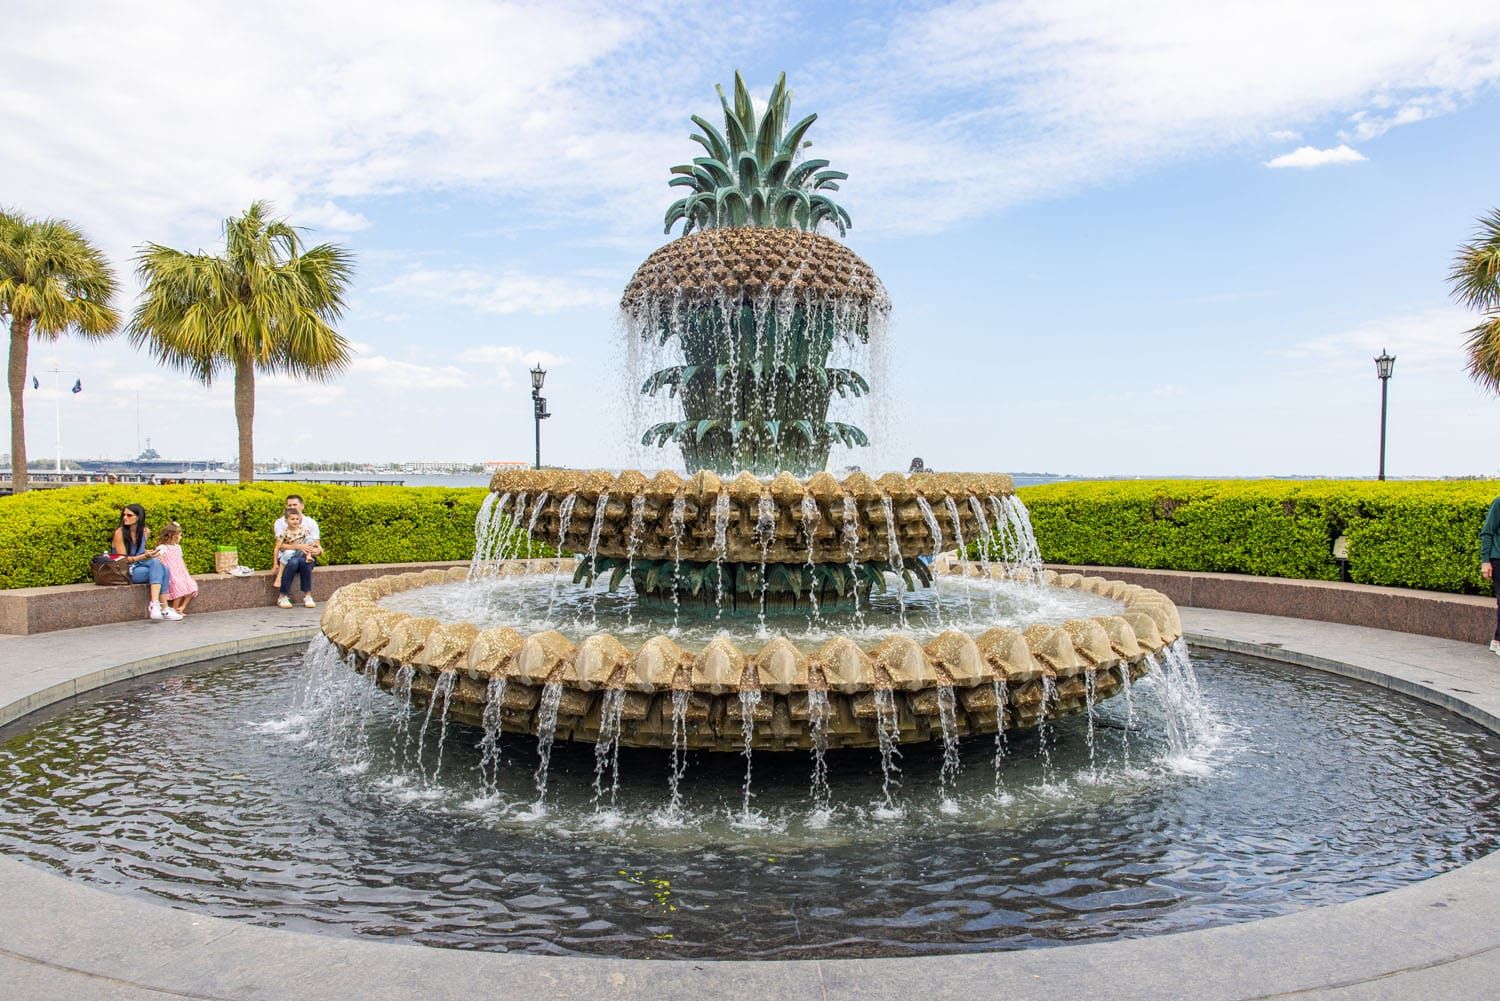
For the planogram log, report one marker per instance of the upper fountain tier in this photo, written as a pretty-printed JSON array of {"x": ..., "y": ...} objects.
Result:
[
  {"x": 749, "y": 519},
  {"x": 786, "y": 265}
]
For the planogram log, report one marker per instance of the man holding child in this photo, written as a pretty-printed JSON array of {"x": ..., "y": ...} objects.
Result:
[{"x": 297, "y": 550}]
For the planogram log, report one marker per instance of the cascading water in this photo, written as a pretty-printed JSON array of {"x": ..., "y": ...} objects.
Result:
[
  {"x": 749, "y": 702},
  {"x": 887, "y": 726},
  {"x": 818, "y": 711},
  {"x": 679, "y": 754},
  {"x": 546, "y": 732},
  {"x": 721, "y": 550},
  {"x": 564, "y": 516},
  {"x": 893, "y": 556},
  {"x": 607, "y": 747},
  {"x": 1001, "y": 693},
  {"x": 405, "y": 677},
  {"x": 937, "y": 538},
  {"x": 810, "y": 518},
  {"x": 600, "y": 509},
  {"x": 948, "y": 719},
  {"x": 963, "y": 556},
  {"x": 489, "y": 745},
  {"x": 765, "y": 532},
  {"x": 850, "y": 535}
]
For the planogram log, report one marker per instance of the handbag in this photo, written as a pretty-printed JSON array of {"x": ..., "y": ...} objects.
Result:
[
  {"x": 226, "y": 558},
  {"x": 110, "y": 572}
]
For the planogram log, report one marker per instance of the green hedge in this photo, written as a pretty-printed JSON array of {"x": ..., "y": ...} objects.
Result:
[
  {"x": 1408, "y": 534},
  {"x": 48, "y": 536}
]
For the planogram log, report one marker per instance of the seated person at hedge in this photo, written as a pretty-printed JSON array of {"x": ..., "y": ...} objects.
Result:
[
  {"x": 294, "y": 502},
  {"x": 295, "y": 555},
  {"x": 129, "y": 544}
]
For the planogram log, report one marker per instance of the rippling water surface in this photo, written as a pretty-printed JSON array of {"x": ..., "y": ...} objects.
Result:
[
  {"x": 538, "y": 601},
  {"x": 263, "y": 791}
]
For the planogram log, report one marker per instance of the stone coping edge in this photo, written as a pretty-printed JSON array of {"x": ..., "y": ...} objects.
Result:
[
  {"x": 61, "y": 938},
  {"x": 128, "y": 670},
  {"x": 1466, "y": 618}
]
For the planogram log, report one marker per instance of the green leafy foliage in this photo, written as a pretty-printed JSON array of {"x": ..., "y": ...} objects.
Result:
[
  {"x": 751, "y": 176},
  {"x": 1411, "y": 534},
  {"x": 48, "y": 536}
]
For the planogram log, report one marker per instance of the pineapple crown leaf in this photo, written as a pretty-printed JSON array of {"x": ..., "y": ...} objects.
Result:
[{"x": 750, "y": 176}]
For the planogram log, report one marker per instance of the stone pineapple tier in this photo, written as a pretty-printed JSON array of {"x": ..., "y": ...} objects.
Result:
[
  {"x": 645, "y": 507},
  {"x": 999, "y": 678},
  {"x": 754, "y": 261}
]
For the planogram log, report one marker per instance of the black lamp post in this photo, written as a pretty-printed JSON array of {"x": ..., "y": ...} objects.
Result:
[
  {"x": 1383, "y": 366},
  {"x": 539, "y": 407}
]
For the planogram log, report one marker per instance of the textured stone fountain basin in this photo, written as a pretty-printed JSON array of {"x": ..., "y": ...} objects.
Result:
[
  {"x": 894, "y": 688},
  {"x": 780, "y": 520}
]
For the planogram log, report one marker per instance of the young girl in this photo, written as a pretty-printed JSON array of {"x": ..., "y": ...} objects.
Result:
[
  {"x": 295, "y": 535},
  {"x": 181, "y": 587}
]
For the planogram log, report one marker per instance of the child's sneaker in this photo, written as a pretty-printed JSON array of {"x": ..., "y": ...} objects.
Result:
[
  {"x": 307, "y": 601},
  {"x": 171, "y": 614},
  {"x": 283, "y": 602},
  {"x": 1495, "y": 647},
  {"x": 153, "y": 611}
]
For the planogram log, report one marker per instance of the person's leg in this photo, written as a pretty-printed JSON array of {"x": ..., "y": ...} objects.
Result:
[
  {"x": 305, "y": 571},
  {"x": 289, "y": 572},
  {"x": 149, "y": 572},
  {"x": 1495, "y": 583}
]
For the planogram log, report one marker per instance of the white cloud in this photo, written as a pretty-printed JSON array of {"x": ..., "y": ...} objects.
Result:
[
  {"x": 991, "y": 104},
  {"x": 961, "y": 109},
  {"x": 504, "y": 292},
  {"x": 388, "y": 373},
  {"x": 143, "y": 121},
  {"x": 328, "y": 216},
  {"x": 1284, "y": 136},
  {"x": 1311, "y": 156},
  {"x": 508, "y": 361},
  {"x": 1422, "y": 340}
]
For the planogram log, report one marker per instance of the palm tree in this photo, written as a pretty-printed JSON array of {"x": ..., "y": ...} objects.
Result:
[
  {"x": 52, "y": 281},
  {"x": 267, "y": 304},
  {"x": 1475, "y": 278}
]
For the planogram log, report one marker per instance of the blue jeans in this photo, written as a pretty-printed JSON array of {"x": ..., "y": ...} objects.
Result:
[
  {"x": 151, "y": 571},
  {"x": 300, "y": 565}
]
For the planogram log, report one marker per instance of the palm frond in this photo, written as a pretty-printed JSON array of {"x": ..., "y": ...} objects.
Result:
[{"x": 1483, "y": 348}]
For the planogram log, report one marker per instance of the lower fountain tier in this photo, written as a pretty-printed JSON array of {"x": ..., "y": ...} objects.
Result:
[
  {"x": 1040, "y": 671},
  {"x": 780, "y": 722}
]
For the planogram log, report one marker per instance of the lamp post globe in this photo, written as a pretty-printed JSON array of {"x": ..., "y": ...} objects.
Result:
[
  {"x": 538, "y": 376},
  {"x": 1385, "y": 363}
]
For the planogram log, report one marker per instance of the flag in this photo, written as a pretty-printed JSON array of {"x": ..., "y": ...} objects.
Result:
[
  {"x": 35, "y": 384},
  {"x": 78, "y": 386}
]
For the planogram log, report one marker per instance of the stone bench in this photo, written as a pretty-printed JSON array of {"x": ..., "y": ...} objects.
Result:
[{"x": 26, "y": 610}]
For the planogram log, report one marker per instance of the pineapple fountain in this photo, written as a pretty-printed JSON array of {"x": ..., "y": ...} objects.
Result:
[{"x": 759, "y": 602}]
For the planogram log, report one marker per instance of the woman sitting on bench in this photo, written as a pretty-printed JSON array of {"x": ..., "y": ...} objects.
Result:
[{"x": 129, "y": 544}]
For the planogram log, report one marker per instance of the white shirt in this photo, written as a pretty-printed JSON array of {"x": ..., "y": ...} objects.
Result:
[{"x": 308, "y": 523}]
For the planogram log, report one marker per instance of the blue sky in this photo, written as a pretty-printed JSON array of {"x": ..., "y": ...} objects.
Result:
[{"x": 1099, "y": 263}]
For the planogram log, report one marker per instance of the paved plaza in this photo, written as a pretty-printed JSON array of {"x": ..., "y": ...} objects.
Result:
[{"x": 1435, "y": 939}]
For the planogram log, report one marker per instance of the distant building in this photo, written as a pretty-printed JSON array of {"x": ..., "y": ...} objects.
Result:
[{"x": 496, "y": 465}]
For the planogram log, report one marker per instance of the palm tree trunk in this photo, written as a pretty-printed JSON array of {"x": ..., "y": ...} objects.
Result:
[
  {"x": 244, "y": 415},
  {"x": 20, "y": 343}
]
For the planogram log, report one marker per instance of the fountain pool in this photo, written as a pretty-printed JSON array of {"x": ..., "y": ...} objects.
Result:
[{"x": 282, "y": 791}]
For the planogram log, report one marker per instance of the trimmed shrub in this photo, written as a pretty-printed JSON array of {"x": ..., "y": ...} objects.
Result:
[
  {"x": 48, "y": 536},
  {"x": 1408, "y": 534}
]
